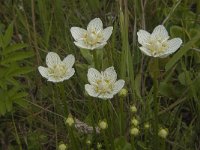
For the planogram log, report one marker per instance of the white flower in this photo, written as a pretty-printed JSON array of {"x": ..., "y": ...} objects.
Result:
[
  {"x": 57, "y": 70},
  {"x": 158, "y": 44},
  {"x": 95, "y": 37},
  {"x": 103, "y": 85}
]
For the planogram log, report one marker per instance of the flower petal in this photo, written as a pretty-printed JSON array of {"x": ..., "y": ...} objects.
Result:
[
  {"x": 173, "y": 45},
  {"x": 90, "y": 90},
  {"x": 82, "y": 44},
  {"x": 43, "y": 71},
  {"x": 78, "y": 33},
  {"x": 143, "y": 37},
  {"x": 54, "y": 80},
  {"x": 98, "y": 46},
  {"x": 93, "y": 75},
  {"x": 107, "y": 33},
  {"x": 160, "y": 32},
  {"x": 110, "y": 74},
  {"x": 52, "y": 59},
  {"x": 95, "y": 24},
  {"x": 118, "y": 86},
  {"x": 69, "y": 60},
  {"x": 145, "y": 51},
  {"x": 105, "y": 96},
  {"x": 69, "y": 74}
]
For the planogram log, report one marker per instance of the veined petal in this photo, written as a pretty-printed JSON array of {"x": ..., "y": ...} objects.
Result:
[
  {"x": 69, "y": 60},
  {"x": 78, "y": 33},
  {"x": 69, "y": 74},
  {"x": 54, "y": 80},
  {"x": 105, "y": 96},
  {"x": 43, "y": 71},
  {"x": 90, "y": 90},
  {"x": 145, "y": 51},
  {"x": 160, "y": 32},
  {"x": 82, "y": 44},
  {"x": 93, "y": 75},
  {"x": 173, "y": 44},
  {"x": 110, "y": 74},
  {"x": 52, "y": 59},
  {"x": 98, "y": 46},
  {"x": 118, "y": 86},
  {"x": 95, "y": 24},
  {"x": 143, "y": 37},
  {"x": 107, "y": 33}
]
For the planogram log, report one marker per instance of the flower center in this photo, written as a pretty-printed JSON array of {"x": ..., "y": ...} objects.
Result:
[
  {"x": 93, "y": 37},
  {"x": 58, "y": 70},
  {"x": 103, "y": 86},
  {"x": 157, "y": 46}
]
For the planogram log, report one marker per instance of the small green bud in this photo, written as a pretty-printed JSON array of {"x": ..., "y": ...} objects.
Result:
[
  {"x": 62, "y": 147},
  {"x": 123, "y": 92},
  {"x": 146, "y": 125},
  {"x": 163, "y": 133},
  {"x": 135, "y": 122},
  {"x": 99, "y": 145},
  {"x": 133, "y": 109},
  {"x": 103, "y": 125},
  {"x": 69, "y": 120},
  {"x": 134, "y": 131}
]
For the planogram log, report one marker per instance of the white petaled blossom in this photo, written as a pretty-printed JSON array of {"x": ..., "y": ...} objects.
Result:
[
  {"x": 103, "y": 84},
  {"x": 57, "y": 70},
  {"x": 158, "y": 44},
  {"x": 95, "y": 37}
]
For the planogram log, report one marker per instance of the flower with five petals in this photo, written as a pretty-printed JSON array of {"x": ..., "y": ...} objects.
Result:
[
  {"x": 103, "y": 84},
  {"x": 95, "y": 37},
  {"x": 57, "y": 70},
  {"x": 158, "y": 44}
]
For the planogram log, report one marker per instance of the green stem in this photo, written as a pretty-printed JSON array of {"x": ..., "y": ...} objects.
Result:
[
  {"x": 16, "y": 133},
  {"x": 121, "y": 117},
  {"x": 95, "y": 57},
  {"x": 155, "y": 102}
]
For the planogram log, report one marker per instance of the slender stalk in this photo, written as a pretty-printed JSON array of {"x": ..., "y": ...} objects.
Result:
[
  {"x": 16, "y": 133},
  {"x": 121, "y": 117},
  {"x": 95, "y": 57},
  {"x": 155, "y": 102}
]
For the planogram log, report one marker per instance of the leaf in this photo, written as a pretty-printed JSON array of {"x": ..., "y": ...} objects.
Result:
[
  {"x": 176, "y": 31},
  {"x": 21, "y": 102},
  {"x": 87, "y": 55},
  {"x": 181, "y": 52},
  {"x": 17, "y": 57},
  {"x": 122, "y": 144},
  {"x": 8, "y": 35},
  {"x": 2, "y": 107},
  {"x": 13, "y": 48},
  {"x": 9, "y": 104},
  {"x": 138, "y": 85},
  {"x": 183, "y": 78}
]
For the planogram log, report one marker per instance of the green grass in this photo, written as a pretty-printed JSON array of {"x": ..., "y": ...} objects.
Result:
[{"x": 165, "y": 91}]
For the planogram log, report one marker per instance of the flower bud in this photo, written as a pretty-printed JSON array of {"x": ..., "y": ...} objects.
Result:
[
  {"x": 103, "y": 125},
  {"x": 69, "y": 120},
  {"x": 123, "y": 92},
  {"x": 88, "y": 142},
  {"x": 147, "y": 125},
  {"x": 133, "y": 109},
  {"x": 135, "y": 122},
  {"x": 134, "y": 131},
  {"x": 62, "y": 147},
  {"x": 99, "y": 145},
  {"x": 163, "y": 133}
]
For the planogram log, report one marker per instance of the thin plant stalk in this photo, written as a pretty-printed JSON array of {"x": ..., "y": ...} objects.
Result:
[{"x": 155, "y": 101}]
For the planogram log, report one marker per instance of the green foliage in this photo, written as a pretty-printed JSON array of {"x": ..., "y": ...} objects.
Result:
[{"x": 12, "y": 68}]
